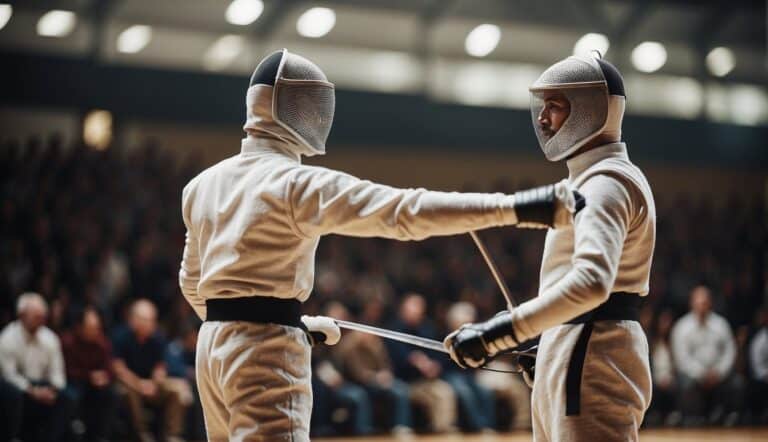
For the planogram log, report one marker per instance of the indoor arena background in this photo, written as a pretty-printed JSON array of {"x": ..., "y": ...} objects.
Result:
[{"x": 108, "y": 108}]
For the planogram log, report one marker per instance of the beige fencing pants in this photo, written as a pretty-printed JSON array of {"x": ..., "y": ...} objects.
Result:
[
  {"x": 254, "y": 381},
  {"x": 615, "y": 387}
]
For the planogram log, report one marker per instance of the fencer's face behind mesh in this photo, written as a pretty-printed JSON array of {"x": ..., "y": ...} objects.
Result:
[
  {"x": 582, "y": 84},
  {"x": 553, "y": 111}
]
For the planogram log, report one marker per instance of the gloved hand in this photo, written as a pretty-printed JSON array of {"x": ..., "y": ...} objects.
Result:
[
  {"x": 321, "y": 329},
  {"x": 472, "y": 345},
  {"x": 553, "y": 205}
]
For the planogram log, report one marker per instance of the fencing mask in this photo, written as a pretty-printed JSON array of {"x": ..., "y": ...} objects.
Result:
[
  {"x": 290, "y": 98},
  {"x": 594, "y": 89}
]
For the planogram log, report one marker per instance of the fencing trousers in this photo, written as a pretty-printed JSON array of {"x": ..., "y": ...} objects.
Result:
[
  {"x": 254, "y": 381},
  {"x": 608, "y": 400}
]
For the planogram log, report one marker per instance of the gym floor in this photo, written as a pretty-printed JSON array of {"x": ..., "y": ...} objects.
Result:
[{"x": 667, "y": 435}]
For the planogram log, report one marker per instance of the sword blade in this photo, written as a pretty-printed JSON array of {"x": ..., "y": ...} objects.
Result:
[
  {"x": 418, "y": 341},
  {"x": 494, "y": 270}
]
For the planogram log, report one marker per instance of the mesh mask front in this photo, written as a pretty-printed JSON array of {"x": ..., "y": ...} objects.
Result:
[
  {"x": 304, "y": 101},
  {"x": 582, "y": 83}
]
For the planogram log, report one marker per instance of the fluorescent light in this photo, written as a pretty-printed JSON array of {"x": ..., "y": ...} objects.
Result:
[
  {"x": 649, "y": 56},
  {"x": 97, "y": 129},
  {"x": 244, "y": 12},
  {"x": 482, "y": 40},
  {"x": 6, "y": 11},
  {"x": 591, "y": 42},
  {"x": 223, "y": 52},
  {"x": 134, "y": 39},
  {"x": 56, "y": 23},
  {"x": 720, "y": 61},
  {"x": 316, "y": 22}
]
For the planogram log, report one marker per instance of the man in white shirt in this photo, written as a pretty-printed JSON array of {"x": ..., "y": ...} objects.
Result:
[
  {"x": 758, "y": 362},
  {"x": 592, "y": 376},
  {"x": 253, "y": 224},
  {"x": 33, "y": 364},
  {"x": 704, "y": 351}
]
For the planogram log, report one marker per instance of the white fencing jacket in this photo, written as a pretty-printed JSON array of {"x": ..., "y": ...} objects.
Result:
[
  {"x": 607, "y": 249},
  {"x": 254, "y": 221}
]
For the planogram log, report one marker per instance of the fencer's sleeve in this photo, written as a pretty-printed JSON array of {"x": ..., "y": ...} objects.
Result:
[
  {"x": 189, "y": 274},
  {"x": 324, "y": 201},
  {"x": 727, "y": 350},
  {"x": 599, "y": 233}
]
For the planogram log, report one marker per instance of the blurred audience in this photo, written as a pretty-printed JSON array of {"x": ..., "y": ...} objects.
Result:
[
  {"x": 476, "y": 403},
  {"x": 422, "y": 368},
  {"x": 143, "y": 380},
  {"x": 102, "y": 228},
  {"x": 33, "y": 374},
  {"x": 704, "y": 351},
  {"x": 88, "y": 360}
]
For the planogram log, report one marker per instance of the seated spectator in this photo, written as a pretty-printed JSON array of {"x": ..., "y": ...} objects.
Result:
[
  {"x": 363, "y": 359},
  {"x": 477, "y": 403},
  {"x": 333, "y": 390},
  {"x": 88, "y": 357},
  {"x": 422, "y": 369},
  {"x": 180, "y": 360},
  {"x": 758, "y": 362},
  {"x": 33, "y": 371},
  {"x": 663, "y": 373},
  {"x": 703, "y": 350},
  {"x": 143, "y": 380}
]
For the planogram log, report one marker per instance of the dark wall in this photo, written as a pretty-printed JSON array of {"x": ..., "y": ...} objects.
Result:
[{"x": 361, "y": 117}]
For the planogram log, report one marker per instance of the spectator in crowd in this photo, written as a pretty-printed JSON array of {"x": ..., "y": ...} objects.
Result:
[
  {"x": 663, "y": 373},
  {"x": 477, "y": 404},
  {"x": 704, "y": 350},
  {"x": 363, "y": 358},
  {"x": 758, "y": 361},
  {"x": 33, "y": 369},
  {"x": 140, "y": 368},
  {"x": 335, "y": 389},
  {"x": 88, "y": 357},
  {"x": 422, "y": 369},
  {"x": 180, "y": 360}
]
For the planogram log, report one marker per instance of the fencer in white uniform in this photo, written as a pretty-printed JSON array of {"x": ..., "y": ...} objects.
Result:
[
  {"x": 592, "y": 379},
  {"x": 253, "y": 224}
]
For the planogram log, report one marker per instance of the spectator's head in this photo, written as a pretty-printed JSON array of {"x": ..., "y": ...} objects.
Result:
[
  {"x": 143, "y": 319},
  {"x": 701, "y": 301},
  {"x": 32, "y": 311},
  {"x": 89, "y": 324},
  {"x": 412, "y": 309},
  {"x": 337, "y": 310},
  {"x": 459, "y": 314}
]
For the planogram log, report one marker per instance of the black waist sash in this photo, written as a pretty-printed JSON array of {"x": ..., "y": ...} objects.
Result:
[
  {"x": 257, "y": 309},
  {"x": 620, "y": 306}
]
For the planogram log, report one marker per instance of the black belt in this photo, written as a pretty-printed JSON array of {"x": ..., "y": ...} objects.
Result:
[
  {"x": 258, "y": 309},
  {"x": 620, "y": 306}
]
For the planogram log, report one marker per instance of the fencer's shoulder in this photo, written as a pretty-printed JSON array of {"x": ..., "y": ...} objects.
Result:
[{"x": 303, "y": 172}]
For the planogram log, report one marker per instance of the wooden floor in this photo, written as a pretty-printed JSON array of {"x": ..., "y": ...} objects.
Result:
[{"x": 694, "y": 435}]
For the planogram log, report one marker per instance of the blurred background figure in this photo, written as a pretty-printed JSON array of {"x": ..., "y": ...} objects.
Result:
[
  {"x": 664, "y": 373},
  {"x": 33, "y": 374},
  {"x": 758, "y": 360},
  {"x": 139, "y": 364},
  {"x": 421, "y": 368},
  {"x": 476, "y": 403},
  {"x": 180, "y": 363},
  {"x": 704, "y": 351},
  {"x": 88, "y": 358},
  {"x": 364, "y": 360}
]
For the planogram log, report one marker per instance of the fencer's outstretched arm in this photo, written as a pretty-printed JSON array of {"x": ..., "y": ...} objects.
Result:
[
  {"x": 324, "y": 201},
  {"x": 599, "y": 234}
]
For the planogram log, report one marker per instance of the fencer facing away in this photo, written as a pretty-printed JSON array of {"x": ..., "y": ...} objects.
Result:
[
  {"x": 253, "y": 224},
  {"x": 591, "y": 380}
]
